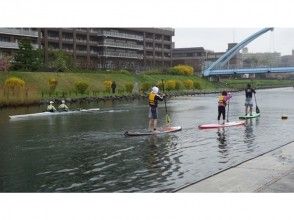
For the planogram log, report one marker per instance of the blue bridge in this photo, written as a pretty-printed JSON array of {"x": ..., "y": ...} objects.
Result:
[{"x": 217, "y": 68}]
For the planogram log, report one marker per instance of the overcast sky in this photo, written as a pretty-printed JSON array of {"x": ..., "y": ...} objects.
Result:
[{"x": 217, "y": 39}]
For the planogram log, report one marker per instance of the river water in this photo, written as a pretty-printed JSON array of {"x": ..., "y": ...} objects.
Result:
[{"x": 87, "y": 152}]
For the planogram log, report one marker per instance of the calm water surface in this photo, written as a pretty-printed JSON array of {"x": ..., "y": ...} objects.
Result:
[{"x": 87, "y": 152}]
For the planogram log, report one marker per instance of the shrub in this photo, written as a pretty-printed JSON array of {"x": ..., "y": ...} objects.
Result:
[
  {"x": 196, "y": 85},
  {"x": 160, "y": 85},
  {"x": 129, "y": 87},
  {"x": 107, "y": 85},
  {"x": 170, "y": 85},
  {"x": 14, "y": 85},
  {"x": 178, "y": 85},
  {"x": 181, "y": 70},
  {"x": 188, "y": 84},
  {"x": 81, "y": 87},
  {"x": 5, "y": 63},
  {"x": 145, "y": 87},
  {"x": 52, "y": 84}
]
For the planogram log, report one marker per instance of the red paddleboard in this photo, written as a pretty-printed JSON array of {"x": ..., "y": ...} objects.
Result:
[{"x": 227, "y": 124}]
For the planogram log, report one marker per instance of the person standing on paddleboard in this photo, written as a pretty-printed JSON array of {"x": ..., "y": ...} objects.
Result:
[
  {"x": 153, "y": 98},
  {"x": 222, "y": 103},
  {"x": 248, "y": 99}
]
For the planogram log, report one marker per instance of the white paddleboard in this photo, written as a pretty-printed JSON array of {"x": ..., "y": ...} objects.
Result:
[{"x": 159, "y": 131}]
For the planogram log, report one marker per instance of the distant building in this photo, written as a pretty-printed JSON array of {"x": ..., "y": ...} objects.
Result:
[
  {"x": 288, "y": 60},
  {"x": 193, "y": 56},
  {"x": 200, "y": 58},
  {"x": 98, "y": 48},
  {"x": 9, "y": 38}
]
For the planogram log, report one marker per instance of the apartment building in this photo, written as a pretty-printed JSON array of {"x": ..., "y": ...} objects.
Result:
[
  {"x": 111, "y": 48},
  {"x": 98, "y": 48},
  {"x": 9, "y": 38}
]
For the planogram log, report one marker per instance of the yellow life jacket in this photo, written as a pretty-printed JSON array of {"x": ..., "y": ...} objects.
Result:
[
  {"x": 221, "y": 100},
  {"x": 151, "y": 98}
]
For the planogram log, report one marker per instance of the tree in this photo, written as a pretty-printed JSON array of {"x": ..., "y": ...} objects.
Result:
[
  {"x": 60, "y": 61},
  {"x": 26, "y": 57}
]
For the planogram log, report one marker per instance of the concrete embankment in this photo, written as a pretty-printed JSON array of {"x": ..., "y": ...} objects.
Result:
[{"x": 272, "y": 171}]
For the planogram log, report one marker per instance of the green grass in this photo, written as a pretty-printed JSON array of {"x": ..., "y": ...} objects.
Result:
[
  {"x": 258, "y": 83},
  {"x": 38, "y": 86}
]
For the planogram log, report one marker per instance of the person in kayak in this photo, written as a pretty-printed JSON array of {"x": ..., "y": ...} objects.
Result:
[
  {"x": 153, "y": 98},
  {"x": 63, "y": 106},
  {"x": 248, "y": 99},
  {"x": 50, "y": 107},
  {"x": 222, "y": 103}
]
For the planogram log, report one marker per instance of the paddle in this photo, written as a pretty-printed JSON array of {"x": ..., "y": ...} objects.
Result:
[
  {"x": 167, "y": 118},
  {"x": 256, "y": 108},
  {"x": 228, "y": 111}
]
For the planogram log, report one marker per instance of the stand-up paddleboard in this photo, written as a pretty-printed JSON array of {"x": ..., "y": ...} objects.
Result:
[
  {"x": 227, "y": 124},
  {"x": 159, "y": 131},
  {"x": 248, "y": 116}
]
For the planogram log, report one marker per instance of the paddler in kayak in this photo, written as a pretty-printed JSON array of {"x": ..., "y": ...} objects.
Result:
[
  {"x": 50, "y": 107},
  {"x": 248, "y": 99},
  {"x": 63, "y": 106},
  {"x": 222, "y": 103},
  {"x": 153, "y": 98}
]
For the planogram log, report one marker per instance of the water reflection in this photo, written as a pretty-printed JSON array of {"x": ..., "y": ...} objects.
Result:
[{"x": 222, "y": 144}]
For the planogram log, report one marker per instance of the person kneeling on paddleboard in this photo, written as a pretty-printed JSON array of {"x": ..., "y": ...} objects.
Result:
[
  {"x": 50, "y": 107},
  {"x": 153, "y": 98},
  {"x": 63, "y": 106},
  {"x": 222, "y": 103},
  {"x": 248, "y": 99}
]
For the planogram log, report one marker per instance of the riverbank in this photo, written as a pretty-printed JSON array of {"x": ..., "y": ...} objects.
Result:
[
  {"x": 272, "y": 171},
  {"x": 38, "y": 90}
]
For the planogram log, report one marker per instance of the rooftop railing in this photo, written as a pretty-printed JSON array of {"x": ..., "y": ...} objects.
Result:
[
  {"x": 19, "y": 31},
  {"x": 120, "y": 35}
]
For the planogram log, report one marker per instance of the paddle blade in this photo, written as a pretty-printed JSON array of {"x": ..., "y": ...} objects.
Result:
[
  {"x": 257, "y": 109},
  {"x": 167, "y": 119}
]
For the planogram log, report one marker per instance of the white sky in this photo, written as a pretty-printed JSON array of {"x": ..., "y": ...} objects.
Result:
[{"x": 217, "y": 39}]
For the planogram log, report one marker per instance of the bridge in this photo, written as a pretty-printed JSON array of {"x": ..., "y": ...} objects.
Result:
[{"x": 217, "y": 68}]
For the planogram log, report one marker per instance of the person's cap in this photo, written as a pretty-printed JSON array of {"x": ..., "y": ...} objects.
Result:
[
  {"x": 155, "y": 89},
  {"x": 51, "y": 102},
  {"x": 62, "y": 101}
]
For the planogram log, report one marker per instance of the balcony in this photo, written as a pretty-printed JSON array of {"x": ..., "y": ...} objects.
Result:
[
  {"x": 81, "y": 41},
  {"x": 121, "y": 45},
  {"x": 121, "y": 55},
  {"x": 67, "y": 40},
  {"x": 119, "y": 35},
  {"x": 14, "y": 45},
  {"x": 19, "y": 32}
]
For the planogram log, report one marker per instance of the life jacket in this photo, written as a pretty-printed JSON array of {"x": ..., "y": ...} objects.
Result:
[
  {"x": 50, "y": 108},
  {"x": 221, "y": 101},
  {"x": 151, "y": 99}
]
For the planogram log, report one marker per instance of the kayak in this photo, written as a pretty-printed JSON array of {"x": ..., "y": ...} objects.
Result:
[
  {"x": 159, "y": 131},
  {"x": 227, "y": 124},
  {"x": 52, "y": 113},
  {"x": 254, "y": 115}
]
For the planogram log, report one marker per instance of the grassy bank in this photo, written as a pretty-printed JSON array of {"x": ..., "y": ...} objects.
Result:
[
  {"x": 37, "y": 84},
  {"x": 257, "y": 83}
]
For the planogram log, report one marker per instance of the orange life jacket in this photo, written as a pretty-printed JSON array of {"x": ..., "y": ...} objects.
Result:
[{"x": 221, "y": 101}]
